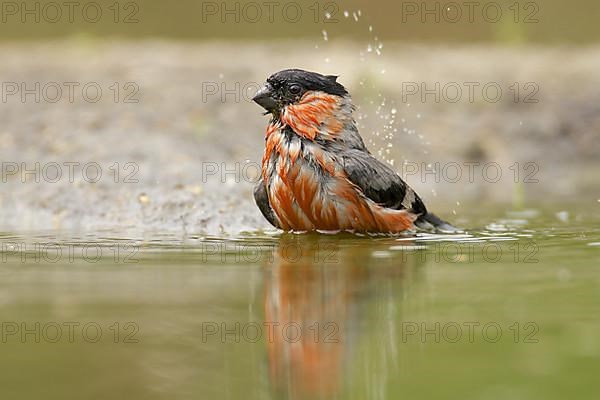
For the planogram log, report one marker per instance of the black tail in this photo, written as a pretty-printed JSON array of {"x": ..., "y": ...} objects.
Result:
[{"x": 431, "y": 222}]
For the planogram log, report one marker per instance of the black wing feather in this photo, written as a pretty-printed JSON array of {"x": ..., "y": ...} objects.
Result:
[
  {"x": 380, "y": 183},
  {"x": 262, "y": 201}
]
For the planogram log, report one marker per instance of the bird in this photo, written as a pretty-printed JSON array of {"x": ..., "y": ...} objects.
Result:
[{"x": 318, "y": 175}]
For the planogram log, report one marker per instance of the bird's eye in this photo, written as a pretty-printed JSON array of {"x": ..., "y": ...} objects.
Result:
[{"x": 295, "y": 89}]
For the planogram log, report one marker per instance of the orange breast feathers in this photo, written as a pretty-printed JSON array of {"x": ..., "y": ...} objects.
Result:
[
  {"x": 318, "y": 195},
  {"x": 317, "y": 114}
]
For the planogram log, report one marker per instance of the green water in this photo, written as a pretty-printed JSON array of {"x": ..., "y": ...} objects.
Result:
[{"x": 509, "y": 310}]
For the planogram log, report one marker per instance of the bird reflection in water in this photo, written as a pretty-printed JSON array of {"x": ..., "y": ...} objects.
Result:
[{"x": 321, "y": 298}]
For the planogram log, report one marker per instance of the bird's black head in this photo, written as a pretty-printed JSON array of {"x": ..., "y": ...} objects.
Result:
[{"x": 288, "y": 86}]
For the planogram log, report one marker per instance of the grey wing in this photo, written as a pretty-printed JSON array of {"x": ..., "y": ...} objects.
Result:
[
  {"x": 262, "y": 201},
  {"x": 380, "y": 183}
]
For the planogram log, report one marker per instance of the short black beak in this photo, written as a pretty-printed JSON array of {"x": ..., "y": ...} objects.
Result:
[{"x": 264, "y": 98}]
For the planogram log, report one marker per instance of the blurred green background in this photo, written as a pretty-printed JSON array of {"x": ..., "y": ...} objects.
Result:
[{"x": 547, "y": 22}]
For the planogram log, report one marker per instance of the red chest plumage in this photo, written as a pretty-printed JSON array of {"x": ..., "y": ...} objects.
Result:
[{"x": 309, "y": 190}]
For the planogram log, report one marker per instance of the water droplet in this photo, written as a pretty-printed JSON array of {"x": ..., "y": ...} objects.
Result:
[
  {"x": 563, "y": 216},
  {"x": 143, "y": 198},
  {"x": 346, "y": 14},
  {"x": 355, "y": 16},
  {"x": 370, "y": 28},
  {"x": 325, "y": 37},
  {"x": 328, "y": 15}
]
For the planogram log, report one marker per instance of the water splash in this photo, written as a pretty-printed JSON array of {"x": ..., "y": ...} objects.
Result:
[{"x": 380, "y": 132}]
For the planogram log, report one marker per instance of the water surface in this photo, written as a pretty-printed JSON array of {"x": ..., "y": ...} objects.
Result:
[{"x": 507, "y": 310}]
